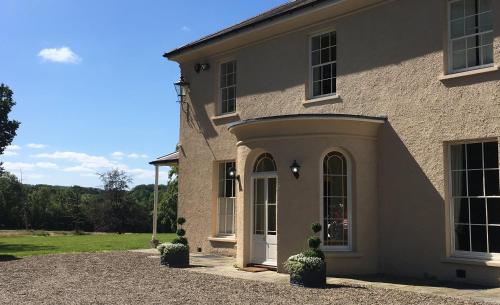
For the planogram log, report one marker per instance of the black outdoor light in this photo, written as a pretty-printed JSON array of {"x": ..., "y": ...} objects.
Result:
[
  {"x": 295, "y": 168},
  {"x": 180, "y": 88},
  {"x": 232, "y": 173}
]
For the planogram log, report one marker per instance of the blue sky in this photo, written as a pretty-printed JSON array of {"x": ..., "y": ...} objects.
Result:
[{"x": 92, "y": 89}]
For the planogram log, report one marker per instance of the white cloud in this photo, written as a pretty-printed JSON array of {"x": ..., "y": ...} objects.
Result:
[
  {"x": 185, "y": 28},
  {"x": 61, "y": 55},
  {"x": 46, "y": 165},
  {"x": 78, "y": 169},
  {"x": 15, "y": 166},
  {"x": 85, "y": 160},
  {"x": 118, "y": 155},
  {"x": 11, "y": 150},
  {"x": 35, "y": 145}
]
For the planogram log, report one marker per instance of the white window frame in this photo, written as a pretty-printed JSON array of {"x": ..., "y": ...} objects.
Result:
[
  {"x": 311, "y": 68},
  {"x": 450, "y": 45},
  {"x": 349, "y": 246},
  {"x": 220, "y": 88},
  {"x": 225, "y": 200},
  {"x": 451, "y": 205}
]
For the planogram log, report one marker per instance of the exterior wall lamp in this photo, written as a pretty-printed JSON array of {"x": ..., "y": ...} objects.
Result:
[
  {"x": 232, "y": 173},
  {"x": 181, "y": 87},
  {"x": 295, "y": 168},
  {"x": 201, "y": 67}
]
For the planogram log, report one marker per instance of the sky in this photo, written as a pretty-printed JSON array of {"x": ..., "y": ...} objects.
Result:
[{"x": 93, "y": 91}]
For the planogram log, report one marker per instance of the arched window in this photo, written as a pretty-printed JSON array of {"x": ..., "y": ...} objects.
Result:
[
  {"x": 265, "y": 163},
  {"x": 336, "y": 201}
]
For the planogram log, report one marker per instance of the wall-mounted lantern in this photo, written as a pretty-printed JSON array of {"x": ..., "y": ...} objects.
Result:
[
  {"x": 295, "y": 168},
  {"x": 180, "y": 88},
  {"x": 231, "y": 172}
]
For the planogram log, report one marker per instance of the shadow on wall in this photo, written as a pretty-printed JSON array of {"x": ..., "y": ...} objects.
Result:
[{"x": 411, "y": 210}]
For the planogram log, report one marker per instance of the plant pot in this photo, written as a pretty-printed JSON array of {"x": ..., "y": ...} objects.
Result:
[
  {"x": 309, "y": 278},
  {"x": 175, "y": 260}
]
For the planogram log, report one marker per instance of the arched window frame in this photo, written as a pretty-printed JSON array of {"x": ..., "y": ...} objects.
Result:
[
  {"x": 347, "y": 157},
  {"x": 259, "y": 159}
]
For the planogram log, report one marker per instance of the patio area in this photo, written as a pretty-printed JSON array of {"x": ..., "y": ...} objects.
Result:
[
  {"x": 224, "y": 266},
  {"x": 124, "y": 277}
]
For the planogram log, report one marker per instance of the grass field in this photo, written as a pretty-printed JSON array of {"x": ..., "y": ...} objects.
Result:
[{"x": 18, "y": 245}]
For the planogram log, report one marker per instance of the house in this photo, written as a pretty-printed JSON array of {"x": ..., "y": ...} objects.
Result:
[{"x": 378, "y": 119}]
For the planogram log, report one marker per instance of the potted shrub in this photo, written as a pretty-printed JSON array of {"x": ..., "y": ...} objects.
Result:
[
  {"x": 176, "y": 254},
  {"x": 308, "y": 269}
]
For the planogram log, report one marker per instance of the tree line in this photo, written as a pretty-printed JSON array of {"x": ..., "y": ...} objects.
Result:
[{"x": 115, "y": 208}]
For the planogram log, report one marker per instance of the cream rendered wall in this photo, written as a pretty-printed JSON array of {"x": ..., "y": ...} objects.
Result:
[{"x": 389, "y": 62}]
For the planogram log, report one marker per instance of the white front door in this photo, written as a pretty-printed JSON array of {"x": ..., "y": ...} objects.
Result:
[{"x": 264, "y": 229}]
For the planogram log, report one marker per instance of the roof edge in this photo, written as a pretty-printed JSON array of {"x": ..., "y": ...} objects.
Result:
[
  {"x": 318, "y": 116},
  {"x": 237, "y": 29}
]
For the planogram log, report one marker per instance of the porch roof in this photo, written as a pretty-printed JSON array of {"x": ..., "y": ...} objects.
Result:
[{"x": 167, "y": 160}]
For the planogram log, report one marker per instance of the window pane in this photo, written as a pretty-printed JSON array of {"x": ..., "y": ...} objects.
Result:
[
  {"x": 486, "y": 39},
  {"x": 475, "y": 183},
  {"x": 259, "y": 219},
  {"x": 485, "y": 22},
  {"x": 315, "y": 43},
  {"x": 231, "y": 105},
  {"x": 333, "y": 53},
  {"x": 271, "y": 193},
  {"x": 315, "y": 58},
  {"x": 474, "y": 155},
  {"x": 334, "y": 85},
  {"x": 316, "y": 88},
  {"x": 492, "y": 183},
  {"x": 491, "y": 155},
  {"x": 457, "y": 10},
  {"x": 494, "y": 239},
  {"x": 494, "y": 211},
  {"x": 271, "y": 217},
  {"x": 316, "y": 73},
  {"x": 459, "y": 45},
  {"x": 333, "y": 38},
  {"x": 471, "y": 26},
  {"x": 471, "y": 7},
  {"x": 484, "y": 5},
  {"x": 473, "y": 58},
  {"x": 478, "y": 238},
  {"x": 487, "y": 55},
  {"x": 462, "y": 241},
  {"x": 325, "y": 40},
  {"x": 459, "y": 60},
  {"x": 259, "y": 191},
  {"x": 458, "y": 157},
  {"x": 327, "y": 71},
  {"x": 461, "y": 210},
  {"x": 457, "y": 28},
  {"x": 459, "y": 187},
  {"x": 327, "y": 87},
  {"x": 325, "y": 56},
  {"x": 477, "y": 211}
]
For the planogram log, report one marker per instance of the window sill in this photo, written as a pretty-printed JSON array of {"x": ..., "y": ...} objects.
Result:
[
  {"x": 223, "y": 239},
  {"x": 322, "y": 100},
  {"x": 341, "y": 254},
  {"x": 225, "y": 118},
  {"x": 469, "y": 73},
  {"x": 471, "y": 261}
]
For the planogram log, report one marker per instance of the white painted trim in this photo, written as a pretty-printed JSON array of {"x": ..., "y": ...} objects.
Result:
[
  {"x": 347, "y": 156},
  {"x": 310, "y": 35},
  {"x": 328, "y": 98},
  {"x": 471, "y": 72},
  {"x": 457, "y": 254},
  {"x": 264, "y": 175}
]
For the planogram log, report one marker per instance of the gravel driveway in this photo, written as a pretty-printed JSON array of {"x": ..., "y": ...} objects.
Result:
[{"x": 133, "y": 278}]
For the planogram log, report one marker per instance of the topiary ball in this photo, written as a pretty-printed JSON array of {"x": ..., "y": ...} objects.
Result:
[
  {"x": 180, "y": 240},
  {"x": 316, "y": 227},
  {"x": 314, "y": 242},
  {"x": 181, "y": 220},
  {"x": 181, "y": 232}
]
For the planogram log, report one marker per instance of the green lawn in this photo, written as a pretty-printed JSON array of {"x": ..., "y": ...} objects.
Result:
[{"x": 17, "y": 246}]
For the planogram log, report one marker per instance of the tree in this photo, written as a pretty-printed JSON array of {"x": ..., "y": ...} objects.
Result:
[
  {"x": 12, "y": 198},
  {"x": 115, "y": 188},
  {"x": 168, "y": 202},
  {"x": 7, "y": 127}
]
